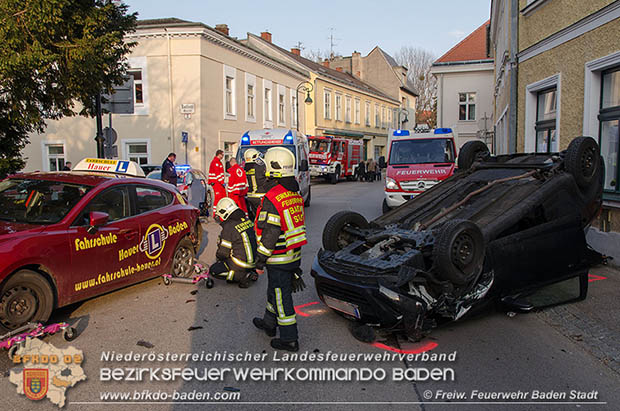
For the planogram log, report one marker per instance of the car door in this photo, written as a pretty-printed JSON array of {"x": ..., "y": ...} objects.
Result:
[
  {"x": 104, "y": 259},
  {"x": 160, "y": 229}
]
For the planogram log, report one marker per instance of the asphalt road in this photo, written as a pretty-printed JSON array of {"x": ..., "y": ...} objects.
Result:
[{"x": 494, "y": 352}]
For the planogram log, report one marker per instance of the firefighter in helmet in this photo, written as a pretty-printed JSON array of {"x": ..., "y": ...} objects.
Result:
[
  {"x": 281, "y": 232},
  {"x": 257, "y": 181},
  {"x": 236, "y": 249}
]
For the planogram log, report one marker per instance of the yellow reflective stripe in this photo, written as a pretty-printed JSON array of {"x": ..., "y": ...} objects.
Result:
[
  {"x": 264, "y": 250},
  {"x": 226, "y": 244},
  {"x": 231, "y": 275},
  {"x": 241, "y": 263},
  {"x": 249, "y": 255},
  {"x": 298, "y": 239},
  {"x": 270, "y": 308},
  {"x": 253, "y": 178},
  {"x": 290, "y": 320},
  {"x": 273, "y": 219},
  {"x": 289, "y": 220},
  {"x": 298, "y": 230},
  {"x": 262, "y": 216},
  {"x": 256, "y": 195},
  {"x": 283, "y": 319},
  {"x": 284, "y": 258}
]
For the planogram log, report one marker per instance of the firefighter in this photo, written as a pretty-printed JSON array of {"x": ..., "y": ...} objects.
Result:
[
  {"x": 237, "y": 184},
  {"x": 236, "y": 245},
  {"x": 257, "y": 181},
  {"x": 281, "y": 232},
  {"x": 216, "y": 178}
]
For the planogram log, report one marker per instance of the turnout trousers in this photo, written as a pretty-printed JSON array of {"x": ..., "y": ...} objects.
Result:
[
  {"x": 228, "y": 270},
  {"x": 280, "y": 311}
]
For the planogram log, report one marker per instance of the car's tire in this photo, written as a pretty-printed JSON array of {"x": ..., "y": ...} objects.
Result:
[
  {"x": 183, "y": 259},
  {"x": 26, "y": 296},
  {"x": 70, "y": 334},
  {"x": 307, "y": 202},
  {"x": 334, "y": 236},
  {"x": 458, "y": 253},
  {"x": 471, "y": 152},
  {"x": 582, "y": 160},
  {"x": 385, "y": 207},
  {"x": 335, "y": 176}
]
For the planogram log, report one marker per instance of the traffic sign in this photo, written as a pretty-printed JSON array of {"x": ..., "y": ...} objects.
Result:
[{"x": 184, "y": 137}]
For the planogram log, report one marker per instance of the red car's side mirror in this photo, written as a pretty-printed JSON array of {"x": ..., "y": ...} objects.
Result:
[{"x": 96, "y": 219}]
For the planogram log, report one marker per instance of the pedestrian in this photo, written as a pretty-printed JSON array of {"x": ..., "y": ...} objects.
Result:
[
  {"x": 281, "y": 232},
  {"x": 370, "y": 170},
  {"x": 361, "y": 170},
  {"x": 257, "y": 181},
  {"x": 168, "y": 170},
  {"x": 237, "y": 184},
  {"x": 216, "y": 178},
  {"x": 67, "y": 166},
  {"x": 236, "y": 245}
]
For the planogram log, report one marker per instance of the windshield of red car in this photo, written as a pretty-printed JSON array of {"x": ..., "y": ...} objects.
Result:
[
  {"x": 319, "y": 146},
  {"x": 34, "y": 201},
  {"x": 422, "y": 151}
]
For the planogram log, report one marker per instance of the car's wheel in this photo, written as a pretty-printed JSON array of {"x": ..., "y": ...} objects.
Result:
[
  {"x": 582, "y": 160},
  {"x": 307, "y": 202},
  {"x": 459, "y": 251},
  {"x": 25, "y": 297},
  {"x": 69, "y": 334},
  {"x": 471, "y": 152},
  {"x": 334, "y": 177},
  {"x": 335, "y": 236},
  {"x": 385, "y": 207},
  {"x": 183, "y": 260}
]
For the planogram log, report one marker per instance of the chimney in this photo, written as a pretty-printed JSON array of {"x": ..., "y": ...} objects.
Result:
[
  {"x": 265, "y": 35},
  {"x": 296, "y": 51},
  {"x": 222, "y": 28},
  {"x": 339, "y": 69},
  {"x": 326, "y": 63},
  {"x": 356, "y": 64}
]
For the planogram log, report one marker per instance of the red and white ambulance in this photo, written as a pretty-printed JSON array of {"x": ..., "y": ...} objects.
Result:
[
  {"x": 416, "y": 162},
  {"x": 333, "y": 157}
]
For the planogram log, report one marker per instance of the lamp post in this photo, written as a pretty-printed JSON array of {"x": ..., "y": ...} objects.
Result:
[
  {"x": 306, "y": 87},
  {"x": 404, "y": 111}
]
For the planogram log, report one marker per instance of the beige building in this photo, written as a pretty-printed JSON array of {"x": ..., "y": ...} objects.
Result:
[
  {"x": 465, "y": 89},
  {"x": 188, "y": 77},
  {"x": 568, "y": 84},
  {"x": 381, "y": 71},
  {"x": 342, "y": 104}
]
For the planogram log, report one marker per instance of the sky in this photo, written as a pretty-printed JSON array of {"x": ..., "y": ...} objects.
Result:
[{"x": 358, "y": 25}]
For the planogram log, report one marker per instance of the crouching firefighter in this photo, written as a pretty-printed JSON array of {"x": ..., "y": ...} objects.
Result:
[
  {"x": 257, "y": 181},
  {"x": 236, "y": 245},
  {"x": 281, "y": 232}
]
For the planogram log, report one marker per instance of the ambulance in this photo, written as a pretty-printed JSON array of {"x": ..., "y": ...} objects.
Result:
[
  {"x": 416, "y": 162},
  {"x": 264, "y": 139}
]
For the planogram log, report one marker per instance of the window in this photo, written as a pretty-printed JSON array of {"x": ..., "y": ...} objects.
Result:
[
  {"x": 250, "y": 103},
  {"x": 293, "y": 109},
  {"x": 267, "y": 104},
  {"x": 138, "y": 152},
  {"x": 138, "y": 91},
  {"x": 281, "y": 105},
  {"x": 383, "y": 117},
  {"x": 609, "y": 117},
  {"x": 55, "y": 154},
  {"x": 347, "y": 109},
  {"x": 230, "y": 148},
  {"x": 467, "y": 106},
  {"x": 230, "y": 103},
  {"x": 546, "y": 136},
  {"x": 151, "y": 198},
  {"x": 338, "y": 107},
  {"x": 327, "y": 104},
  {"x": 113, "y": 201},
  {"x": 368, "y": 114},
  {"x": 357, "y": 111},
  {"x": 250, "y": 97},
  {"x": 377, "y": 116}
]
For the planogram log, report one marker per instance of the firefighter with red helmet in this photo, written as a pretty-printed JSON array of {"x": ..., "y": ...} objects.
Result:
[
  {"x": 237, "y": 184},
  {"x": 216, "y": 178},
  {"x": 281, "y": 232}
]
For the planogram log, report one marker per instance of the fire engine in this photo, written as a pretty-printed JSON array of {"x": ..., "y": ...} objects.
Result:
[{"x": 334, "y": 157}]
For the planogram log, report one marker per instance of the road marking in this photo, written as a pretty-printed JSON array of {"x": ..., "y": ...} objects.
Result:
[
  {"x": 426, "y": 347},
  {"x": 592, "y": 278}
]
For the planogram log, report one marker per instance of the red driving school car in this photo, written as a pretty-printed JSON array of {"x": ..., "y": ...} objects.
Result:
[{"x": 68, "y": 236}]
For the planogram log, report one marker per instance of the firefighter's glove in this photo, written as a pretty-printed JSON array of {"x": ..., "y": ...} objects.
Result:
[{"x": 298, "y": 282}]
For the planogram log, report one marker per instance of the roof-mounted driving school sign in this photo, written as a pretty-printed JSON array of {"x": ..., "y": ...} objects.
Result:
[{"x": 122, "y": 167}]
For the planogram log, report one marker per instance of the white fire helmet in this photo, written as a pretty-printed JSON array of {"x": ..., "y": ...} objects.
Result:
[
  {"x": 225, "y": 207},
  {"x": 279, "y": 162},
  {"x": 251, "y": 155}
]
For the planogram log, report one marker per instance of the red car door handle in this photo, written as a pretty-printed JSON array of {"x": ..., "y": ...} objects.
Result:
[{"x": 129, "y": 234}]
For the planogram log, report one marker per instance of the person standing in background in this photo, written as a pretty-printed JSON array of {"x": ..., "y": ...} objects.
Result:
[
  {"x": 168, "y": 170},
  {"x": 67, "y": 166},
  {"x": 237, "y": 185},
  {"x": 216, "y": 178}
]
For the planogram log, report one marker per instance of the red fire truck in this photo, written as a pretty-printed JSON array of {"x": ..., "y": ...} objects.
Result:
[{"x": 334, "y": 157}]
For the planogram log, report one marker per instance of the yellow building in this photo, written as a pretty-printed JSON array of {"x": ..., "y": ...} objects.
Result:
[{"x": 342, "y": 104}]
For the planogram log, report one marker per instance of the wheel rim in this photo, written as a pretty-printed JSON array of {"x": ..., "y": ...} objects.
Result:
[
  {"x": 588, "y": 161},
  {"x": 18, "y": 306},
  {"x": 182, "y": 262},
  {"x": 463, "y": 251}
]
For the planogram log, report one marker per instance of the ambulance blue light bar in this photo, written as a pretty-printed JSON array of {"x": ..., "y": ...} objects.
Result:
[
  {"x": 399, "y": 133},
  {"x": 182, "y": 168},
  {"x": 288, "y": 138},
  {"x": 245, "y": 140},
  {"x": 443, "y": 131}
]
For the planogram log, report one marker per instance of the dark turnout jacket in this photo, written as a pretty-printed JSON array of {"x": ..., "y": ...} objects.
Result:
[{"x": 237, "y": 241}]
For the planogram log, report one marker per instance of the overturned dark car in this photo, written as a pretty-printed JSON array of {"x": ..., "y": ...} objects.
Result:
[{"x": 507, "y": 229}]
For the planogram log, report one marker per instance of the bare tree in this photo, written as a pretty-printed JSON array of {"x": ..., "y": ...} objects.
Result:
[
  {"x": 317, "y": 55},
  {"x": 418, "y": 62}
]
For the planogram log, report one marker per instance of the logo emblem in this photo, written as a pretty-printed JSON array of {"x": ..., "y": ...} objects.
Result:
[
  {"x": 421, "y": 185},
  {"x": 36, "y": 381},
  {"x": 122, "y": 166},
  {"x": 154, "y": 241}
]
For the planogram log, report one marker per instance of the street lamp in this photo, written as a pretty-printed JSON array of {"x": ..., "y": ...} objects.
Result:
[
  {"x": 306, "y": 87},
  {"x": 406, "y": 113}
]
